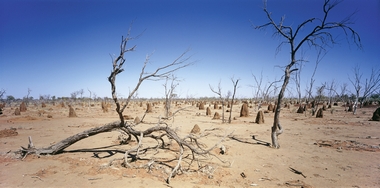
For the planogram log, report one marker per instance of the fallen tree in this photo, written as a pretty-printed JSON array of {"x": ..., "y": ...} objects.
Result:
[{"x": 189, "y": 142}]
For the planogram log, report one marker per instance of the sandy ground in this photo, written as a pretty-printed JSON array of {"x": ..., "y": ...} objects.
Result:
[{"x": 338, "y": 150}]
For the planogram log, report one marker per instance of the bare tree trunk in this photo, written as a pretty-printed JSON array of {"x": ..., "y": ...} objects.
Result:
[
  {"x": 235, "y": 83},
  {"x": 60, "y": 146},
  {"x": 319, "y": 37},
  {"x": 277, "y": 128}
]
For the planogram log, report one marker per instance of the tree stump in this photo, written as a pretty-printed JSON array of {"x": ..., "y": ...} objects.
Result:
[
  {"x": 244, "y": 112},
  {"x": 319, "y": 113},
  {"x": 208, "y": 111},
  {"x": 72, "y": 112},
  {"x": 260, "y": 117}
]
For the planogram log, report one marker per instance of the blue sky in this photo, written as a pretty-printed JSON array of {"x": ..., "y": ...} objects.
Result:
[{"x": 58, "y": 47}]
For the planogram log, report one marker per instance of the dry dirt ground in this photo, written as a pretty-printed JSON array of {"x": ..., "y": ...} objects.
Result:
[{"x": 338, "y": 150}]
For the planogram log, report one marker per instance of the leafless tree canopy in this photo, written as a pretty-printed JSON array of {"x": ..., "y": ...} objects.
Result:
[
  {"x": 219, "y": 93},
  {"x": 235, "y": 84},
  {"x": 2, "y": 92},
  {"x": 364, "y": 89},
  {"x": 158, "y": 132},
  {"x": 319, "y": 36}
]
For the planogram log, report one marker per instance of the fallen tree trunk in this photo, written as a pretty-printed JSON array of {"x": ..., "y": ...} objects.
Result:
[{"x": 60, "y": 146}]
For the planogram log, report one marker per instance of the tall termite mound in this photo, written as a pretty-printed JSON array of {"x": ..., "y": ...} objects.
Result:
[
  {"x": 260, "y": 117},
  {"x": 195, "y": 129},
  {"x": 319, "y": 113},
  {"x": 137, "y": 120},
  {"x": 149, "y": 108},
  {"x": 216, "y": 105},
  {"x": 201, "y": 106},
  {"x": 216, "y": 116},
  {"x": 376, "y": 115},
  {"x": 270, "y": 107},
  {"x": 104, "y": 107},
  {"x": 23, "y": 107},
  {"x": 300, "y": 110},
  {"x": 244, "y": 112},
  {"x": 17, "y": 112},
  {"x": 208, "y": 111},
  {"x": 72, "y": 112}
]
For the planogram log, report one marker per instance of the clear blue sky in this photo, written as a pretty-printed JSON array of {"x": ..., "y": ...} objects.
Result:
[{"x": 58, "y": 47}]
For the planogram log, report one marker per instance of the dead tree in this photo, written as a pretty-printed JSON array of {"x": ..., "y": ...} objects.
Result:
[
  {"x": 26, "y": 99},
  {"x": 331, "y": 88},
  {"x": 297, "y": 81},
  {"x": 258, "y": 85},
  {"x": 219, "y": 93},
  {"x": 309, "y": 86},
  {"x": 318, "y": 35},
  {"x": 364, "y": 90},
  {"x": 235, "y": 84},
  {"x": 156, "y": 132},
  {"x": 169, "y": 93},
  {"x": 89, "y": 99},
  {"x": 2, "y": 92}
]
